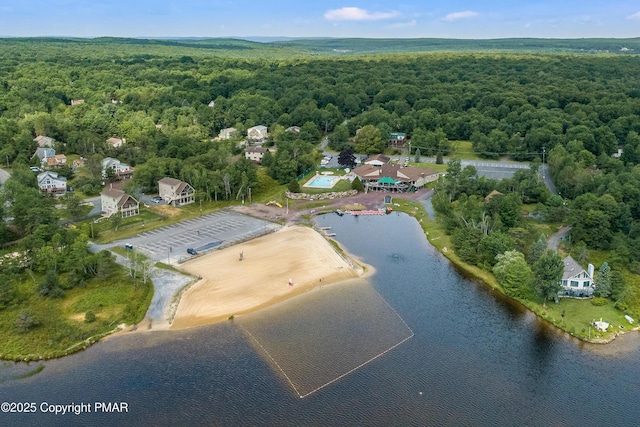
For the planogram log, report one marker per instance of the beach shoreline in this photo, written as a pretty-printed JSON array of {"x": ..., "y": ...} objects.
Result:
[{"x": 250, "y": 276}]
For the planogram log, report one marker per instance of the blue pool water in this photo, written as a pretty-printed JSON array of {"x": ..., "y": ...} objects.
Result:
[{"x": 322, "y": 181}]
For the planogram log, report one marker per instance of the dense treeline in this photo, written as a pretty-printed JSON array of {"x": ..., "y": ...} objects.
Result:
[{"x": 515, "y": 105}]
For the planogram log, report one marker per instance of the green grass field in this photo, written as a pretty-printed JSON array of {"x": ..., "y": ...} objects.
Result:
[{"x": 61, "y": 328}]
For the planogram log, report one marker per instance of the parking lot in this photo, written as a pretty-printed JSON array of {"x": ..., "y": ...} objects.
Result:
[{"x": 169, "y": 244}]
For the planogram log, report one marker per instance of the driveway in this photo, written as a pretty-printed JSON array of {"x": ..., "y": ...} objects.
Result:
[{"x": 554, "y": 240}]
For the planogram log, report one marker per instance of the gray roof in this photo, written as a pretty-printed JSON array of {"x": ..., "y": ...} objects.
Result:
[{"x": 571, "y": 268}]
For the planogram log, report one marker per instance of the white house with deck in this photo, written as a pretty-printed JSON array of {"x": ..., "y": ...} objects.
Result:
[
  {"x": 257, "y": 133},
  {"x": 50, "y": 183},
  {"x": 176, "y": 192},
  {"x": 576, "y": 282},
  {"x": 120, "y": 170},
  {"x": 118, "y": 202}
]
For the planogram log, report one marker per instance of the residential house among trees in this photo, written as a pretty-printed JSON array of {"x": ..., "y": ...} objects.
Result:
[
  {"x": 257, "y": 133},
  {"x": 118, "y": 202},
  {"x": 255, "y": 154},
  {"x": 389, "y": 177},
  {"x": 44, "y": 153},
  {"x": 176, "y": 192},
  {"x": 227, "y": 133},
  {"x": 116, "y": 142},
  {"x": 120, "y": 170},
  {"x": 50, "y": 183},
  {"x": 576, "y": 282},
  {"x": 57, "y": 160},
  {"x": 397, "y": 139},
  {"x": 377, "y": 160},
  {"x": 44, "y": 141}
]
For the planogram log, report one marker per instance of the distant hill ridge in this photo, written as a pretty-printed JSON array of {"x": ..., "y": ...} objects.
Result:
[{"x": 359, "y": 46}]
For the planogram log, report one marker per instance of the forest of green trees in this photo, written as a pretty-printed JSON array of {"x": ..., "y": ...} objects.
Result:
[{"x": 570, "y": 111}]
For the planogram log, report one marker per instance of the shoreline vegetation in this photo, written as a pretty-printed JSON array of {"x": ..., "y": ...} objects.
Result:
[{"x": 552, "y": 313}]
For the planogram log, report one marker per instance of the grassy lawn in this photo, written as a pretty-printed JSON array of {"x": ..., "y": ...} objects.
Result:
[
  {"x": 426, "y": 165},
  {"x": 463, "y": 150},
  {"x": 61, "y": 327},
  {"x": 578, "y": 315}
]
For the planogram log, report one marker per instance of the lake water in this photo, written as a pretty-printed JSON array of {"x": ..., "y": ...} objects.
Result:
[{"x": 475, "y": 359}]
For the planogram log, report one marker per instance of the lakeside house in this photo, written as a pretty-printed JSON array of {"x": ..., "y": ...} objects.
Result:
[
  {"x": 118, "y": 202},
  {"x": 576, "y": 282},
  {"x": 120, "y": 170},
  {"x": 51, "y": 183},
  {"x": 44, "y": 141},
  {"x": 176, "y": 192},
  {"x": 395, "y": 178},
  {"x": 255, "y": 154},
  {"x": 257, "y": 133}
]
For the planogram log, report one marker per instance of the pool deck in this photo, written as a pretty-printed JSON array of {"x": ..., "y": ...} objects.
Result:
[{"x": 334, "y": 179}]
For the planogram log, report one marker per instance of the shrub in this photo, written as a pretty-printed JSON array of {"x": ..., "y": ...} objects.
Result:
[
  {"x": 294, "y": 186},
  {"x": 26, "y": 321},
  {"x": 598, "y": 302},
  {"x": 89, "y": 317}
]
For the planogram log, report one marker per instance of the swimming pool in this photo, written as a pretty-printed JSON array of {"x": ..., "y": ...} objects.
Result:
[{"x": 322, "y": 181}]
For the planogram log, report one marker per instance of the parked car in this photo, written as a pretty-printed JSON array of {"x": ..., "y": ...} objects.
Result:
[
  {"x": 156, "y": 199},
  {"x": 192, "y": 251}
]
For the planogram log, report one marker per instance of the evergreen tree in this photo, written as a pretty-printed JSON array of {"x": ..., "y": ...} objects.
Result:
[
  {"x": 357, "y": 185},
  {"x": 548, "y": 270},
  {"x": 603, "y": 284}
]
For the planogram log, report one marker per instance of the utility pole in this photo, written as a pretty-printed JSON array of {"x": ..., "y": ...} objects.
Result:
[{"x": 544, "y": 150}]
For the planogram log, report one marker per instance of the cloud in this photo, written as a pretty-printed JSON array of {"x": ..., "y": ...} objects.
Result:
[
  {"x": 357, "y": 14},
  {"x": 634, "y": 17},
  {"x": 460, "y": 15}
]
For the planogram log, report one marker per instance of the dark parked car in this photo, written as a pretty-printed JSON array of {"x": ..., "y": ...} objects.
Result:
[{"x": 192, "y": 251}]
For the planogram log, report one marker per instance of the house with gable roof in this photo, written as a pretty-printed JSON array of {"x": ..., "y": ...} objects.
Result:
[
  {"x": 377, "y": 160},
  {"x": 44, "y": 153},
  {"x": 257, "y": 133},
  {"x": 120, "y": 170},
  {"x": 116, "y": 142},
  {"x": 255, "y": 154},
  {"x": 176, "y": 192},
  {"x": 227, "y": 133},
  {"x": 118, "y": 202},
  {"x": 393, "y": 177},
  {"x": 44, "y": 141},
  {"x": 51, "y": 183},
  {"x": 576, "y": 281}
]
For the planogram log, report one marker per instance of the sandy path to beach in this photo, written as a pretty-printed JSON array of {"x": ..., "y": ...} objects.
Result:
[{"x": 230, "y": 286}]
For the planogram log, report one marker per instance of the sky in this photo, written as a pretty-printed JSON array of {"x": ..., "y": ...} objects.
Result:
[{"x": 479, "y": 19}]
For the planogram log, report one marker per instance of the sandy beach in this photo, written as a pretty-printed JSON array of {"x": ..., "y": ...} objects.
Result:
[{"x": 231, "y": 286}]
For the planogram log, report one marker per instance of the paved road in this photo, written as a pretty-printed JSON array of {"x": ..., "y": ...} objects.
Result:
[{"x": 544, "y": 171}]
